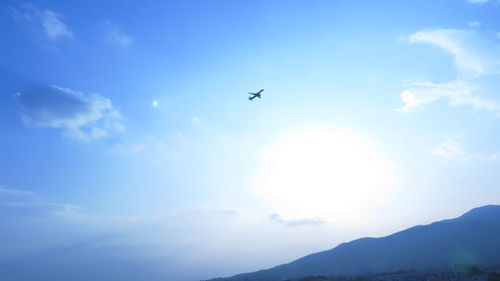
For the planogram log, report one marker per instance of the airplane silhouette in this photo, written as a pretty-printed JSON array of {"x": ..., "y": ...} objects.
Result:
[{"x": 255, "y": 95}]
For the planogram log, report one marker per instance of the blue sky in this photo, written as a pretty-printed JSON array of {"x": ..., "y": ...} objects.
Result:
[{"x": 129, "y": 148}]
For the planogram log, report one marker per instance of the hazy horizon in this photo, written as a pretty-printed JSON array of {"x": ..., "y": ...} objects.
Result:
[{"x": 129, "y": 146}]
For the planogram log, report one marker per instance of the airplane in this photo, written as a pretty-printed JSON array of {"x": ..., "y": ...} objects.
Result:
[{"x": 255, "y": 95}]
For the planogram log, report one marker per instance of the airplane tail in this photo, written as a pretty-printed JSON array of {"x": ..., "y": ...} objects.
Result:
[{"x": 250, "y": 98}]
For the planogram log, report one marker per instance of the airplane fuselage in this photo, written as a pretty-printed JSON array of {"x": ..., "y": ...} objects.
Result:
[{"x": 256, "y": 95}]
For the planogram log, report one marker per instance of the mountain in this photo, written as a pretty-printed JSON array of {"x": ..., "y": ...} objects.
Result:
[{"x": 473, "y": 238}]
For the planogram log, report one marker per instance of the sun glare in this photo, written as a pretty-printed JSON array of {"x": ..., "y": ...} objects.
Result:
[{"x": 332, "y": 175}]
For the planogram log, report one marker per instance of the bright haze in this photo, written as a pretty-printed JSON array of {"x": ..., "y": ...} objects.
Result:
[{"x": 129, "y": 149}]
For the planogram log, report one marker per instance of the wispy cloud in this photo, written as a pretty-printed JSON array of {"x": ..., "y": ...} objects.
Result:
[
  {"x": 474, "y": 23},
  {"x": 85, "y": 117},
  {"x": 477, "y": 1},
  {"x": 23, "y": 202},
  {"x": 475, "y": 54},
  {"x": 114, "y": 35},
  {"x": 458, "y": 92},
  {"x": 450, "y": 148},
  {"x": 215, "y": 211},
  {"x": 296, "y": 222},
  {"x": 12, "y": 191},
  {"x": 495, "y": 157},
  {"x": 199, "y": 122},
  {"x": 196, "y": 119},
  {"x": 130, "y": 147},
  {"x": 46, "y": 22},
  {"x": 471, "y": 50},
  {"x": 67, "y": 211}
]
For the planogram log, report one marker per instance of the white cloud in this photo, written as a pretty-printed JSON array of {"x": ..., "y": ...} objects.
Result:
[
  {"x": 495, "y": 157},
  {"x": 115, "y": 35},
  {"x": 296, "y": 222},
  {"x": 196, "y": 119},
  {"x": 11, "y": 191},
  {"x": 206, "y": 211},
  {"x": 474, "y": 23},
  {"x": 53, "y": 27},
  {"x": 84, "y": 117},
  {"x": 472, "y": 52},
  {"x": 199, "y": 122},
  {"x": 458, "y": 92},
  {"x": 450, "y": 148},
  {"x": 130, "y": 147},
  {"x": 477, "y": 1},
  {"x": 475, "y": 54},
  {"x": 413, "y": 99},
  {"x": 44, "y": 21},
  {"x": 19, "y": 201},
  {"x": 179, "y": 136}
]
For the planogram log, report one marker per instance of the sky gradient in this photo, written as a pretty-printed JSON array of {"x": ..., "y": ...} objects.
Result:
[{"x": 129, "y": 149}]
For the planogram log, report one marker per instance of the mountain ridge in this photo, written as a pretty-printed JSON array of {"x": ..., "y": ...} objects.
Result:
[{"x": 472, "y": 238}]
